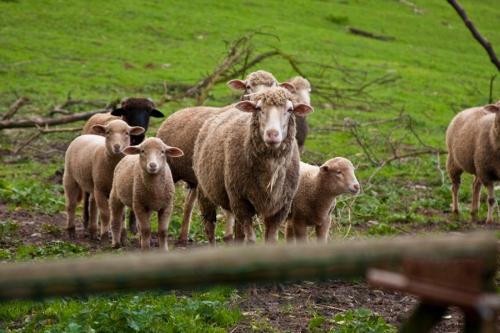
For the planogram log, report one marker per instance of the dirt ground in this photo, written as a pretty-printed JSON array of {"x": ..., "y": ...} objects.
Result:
[{"x": 285, "y": 307}]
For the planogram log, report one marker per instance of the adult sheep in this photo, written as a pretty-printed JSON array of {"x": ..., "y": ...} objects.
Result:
[{"x": 248, "y": 162}]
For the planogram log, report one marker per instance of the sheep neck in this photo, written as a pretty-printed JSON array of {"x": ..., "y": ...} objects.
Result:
[{"x": 324, "y": 190}]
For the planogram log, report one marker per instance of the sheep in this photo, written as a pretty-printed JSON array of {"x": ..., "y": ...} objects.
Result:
[
  {"x": 143, "y": 182},
  {"x": 248, "y": 163},
  {"x": 301, "y": 91},
  {"x": 181, "y": 129},
  {"x": 88, "y": 168},
  {"x": 134, "y": 111},
  {"x": 473, "y": 140},
  {"x": 315, "y": 197}
]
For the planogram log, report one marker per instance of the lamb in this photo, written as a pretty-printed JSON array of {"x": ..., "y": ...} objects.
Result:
[
  {"x": 315, "y": 197},
  {"x": 88, "y": 168},
  {"x": 248, "y": 163},
  {"x": 473, "y": 140},
  {"x": 134, "y": 111},
  {"x": 181, "y": 129},
  {"x": 143, "y": 182}
]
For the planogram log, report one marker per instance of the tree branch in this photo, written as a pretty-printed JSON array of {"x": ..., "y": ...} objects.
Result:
[
  {"x": 477, "y": 36},
  {"x": 18, "y": 104}
]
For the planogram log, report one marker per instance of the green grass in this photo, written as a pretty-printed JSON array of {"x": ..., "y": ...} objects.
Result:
[{"x": 111, "y": 49}]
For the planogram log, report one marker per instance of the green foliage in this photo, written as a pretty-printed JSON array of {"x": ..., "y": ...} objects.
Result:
[
  {"x": 7, "y": 229},
  {"x": 32, "y": 195},
  {"x": 57, "y": 249},
  {"x": 144, "y": 312},
  {"x": 360, "y": 321}
]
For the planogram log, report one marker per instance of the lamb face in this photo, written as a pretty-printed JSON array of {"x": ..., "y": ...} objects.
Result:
[
  {"x": 153, "y": 154},
  {"x": 338, "y": 173},
  {"x": 117, "y": 134}
]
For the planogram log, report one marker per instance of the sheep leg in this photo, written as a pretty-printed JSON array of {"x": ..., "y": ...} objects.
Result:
[
  {"x": 249, "y": 232},
  {"x": 132, "y": 224},
  {"x": 102, "y": 203},
  {"x": 491, "y": 202},
  {"x": 272, "y": 224},
  {"x": 118, "y": 232},
  {"x": 476, "y": 196},
  {"x": 454, "y": 172},
  {"x": 92, "y": 227},
  {"x": 163, "y": 222},
  {"x": 143, "y": 217},
  {"x": 186, "y": 217},
  {"x": 229, "y": 230},
  {"x": 322, "y": 231},
  {"x": 290, "y": 234},
  {"x": 208, "y": 215},
  {"x": 72, "y": 192},
  {"x": 86, "y": 199},
  {"x": 239, "y": 232},
  {"x": 300, "y": 231}
]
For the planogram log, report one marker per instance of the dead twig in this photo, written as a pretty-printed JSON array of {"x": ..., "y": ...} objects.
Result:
[
  {"x": 41, "y": 131},
  {"x": 16, "y": 106},
  {"x": 363, "y": 33},
  {"x": 475, "y": 33}
]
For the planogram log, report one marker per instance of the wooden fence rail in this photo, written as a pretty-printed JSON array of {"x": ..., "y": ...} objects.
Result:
[{"x": 236, "y": 265}]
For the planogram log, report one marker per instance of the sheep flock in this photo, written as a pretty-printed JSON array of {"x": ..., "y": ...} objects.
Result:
[{"x": 244, "y": 159}]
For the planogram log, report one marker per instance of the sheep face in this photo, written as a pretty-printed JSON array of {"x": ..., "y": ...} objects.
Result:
[
  {"x": 117, "y": 134},
  {"x": 338, "y": 174},
  {"x": 136, "y": 112},
  {"x": 153, "y": 154},
  {"x": 273, "y": 118},
  {"x": 255, "y": 82}
]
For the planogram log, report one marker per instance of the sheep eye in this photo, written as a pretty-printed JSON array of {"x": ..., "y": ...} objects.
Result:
[
  {"x": 142, "y": 151},
  {"x": 163, "y": 152},
  {"x": 338, "y": 172},
  {"x": 258, "y": 108}
]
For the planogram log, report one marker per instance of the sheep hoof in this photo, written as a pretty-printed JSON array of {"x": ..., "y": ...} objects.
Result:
[
  {"x": 105, "y": 237},
  {"x": 116, "y": 246},
  {"x": 228, "y": 239},
  {"x": 72, "y": 233}
]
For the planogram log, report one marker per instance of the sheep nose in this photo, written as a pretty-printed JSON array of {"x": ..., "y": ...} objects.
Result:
[
  {"x": 116, "y": 147},
  {"x": 153, "y": 165},
  {"x": 272, "y": 134},
  {"x": 355, "y": 188}
]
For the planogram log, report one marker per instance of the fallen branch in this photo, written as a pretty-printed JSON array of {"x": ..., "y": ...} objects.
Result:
[
  {"x": 475, "y": 33},
  {"x": 42, "y": 131},
  {"x": 18, "y": 104},
  {"x": 40, "y": 121},
  {"x": 359, "y": 32}
]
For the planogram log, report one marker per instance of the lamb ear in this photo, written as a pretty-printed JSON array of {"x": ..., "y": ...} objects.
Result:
[
  {"x": 174, "y": 152},
  {"x": 302, "y": 110},
  {"x": 324, "y": 168},
  {"x": 237, "y": 85},
  {"x": 157, "y": 113},
  {"x": 245, "y": 106},
  {"x": 137, "y": 130},
  {"x": 99, "y": 129},
  {"x": 131, "y": 150},
  {"x": 288, "y": 86},
  {"x": 118, "y": 112}
]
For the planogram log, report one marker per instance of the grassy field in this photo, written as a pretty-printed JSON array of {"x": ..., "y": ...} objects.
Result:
[{"x": 104, "y": 50}]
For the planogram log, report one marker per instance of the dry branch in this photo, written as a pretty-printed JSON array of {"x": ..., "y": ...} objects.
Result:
[
  {"x": 18, "y": 104},
  {"x": 475, "y": 33},
  {"x": 41, "y": 131}
]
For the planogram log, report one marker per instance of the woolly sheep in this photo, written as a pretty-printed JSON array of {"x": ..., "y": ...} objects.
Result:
[
  {"x": 315, "y": 197},
  {"x": 143, "y": 182},
  {"x": 88, "y": 168},
  {"x": 473, "y": 140},
  {"x": 135, "y": 111},
  {"x": 301, "y": 93},
  {"x": 248, "y": 162}
]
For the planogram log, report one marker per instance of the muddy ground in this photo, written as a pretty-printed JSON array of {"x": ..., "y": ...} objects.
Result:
[{"x": 284, "y": 307}]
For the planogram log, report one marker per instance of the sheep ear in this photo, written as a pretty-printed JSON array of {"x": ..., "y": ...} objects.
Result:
[
  {"x": 131, "y": 150},
  {"x": 174, "y": 152},
  {"x": 99, "y": 129},
  {"x": 237, "y": 85},
  {"x": 324, "y": 168},
  {"x": 118, "y": 112},
  {"x": 492, "y": 107},
  {"x": 302, "y": 110},
  {"x": 245, "y": 106},
  {"x": 157, "y": 113},
  {"x": 136, "y": 130},
  {"x": 288, "y": 86}
]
